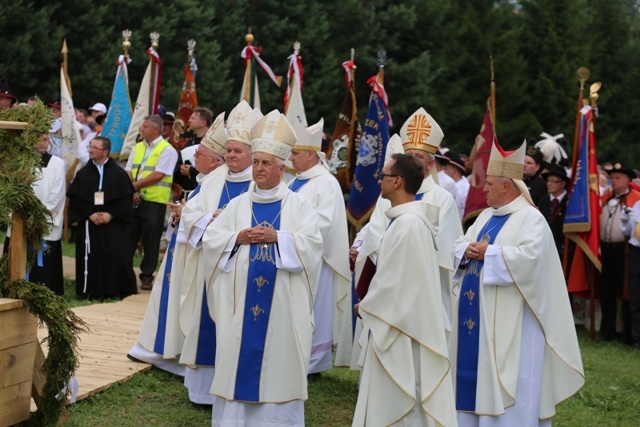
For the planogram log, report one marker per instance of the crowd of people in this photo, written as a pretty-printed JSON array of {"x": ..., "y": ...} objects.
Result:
[{"x": 260, "y": 291}]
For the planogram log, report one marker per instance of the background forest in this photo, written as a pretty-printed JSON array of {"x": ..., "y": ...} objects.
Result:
[{"x": 438, "y": 57}]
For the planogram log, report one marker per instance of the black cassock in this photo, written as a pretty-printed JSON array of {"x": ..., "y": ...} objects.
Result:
[{"x": 110, "y": 256}]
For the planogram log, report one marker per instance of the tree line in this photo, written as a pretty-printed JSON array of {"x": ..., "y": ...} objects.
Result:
[{"x": 437, "y": 57}]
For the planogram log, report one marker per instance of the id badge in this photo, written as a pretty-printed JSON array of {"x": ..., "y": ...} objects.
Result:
[{"x": 98, "y": 198}]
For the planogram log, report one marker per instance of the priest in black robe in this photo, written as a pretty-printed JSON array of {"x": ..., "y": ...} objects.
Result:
[{"x": 100, "y": 201}]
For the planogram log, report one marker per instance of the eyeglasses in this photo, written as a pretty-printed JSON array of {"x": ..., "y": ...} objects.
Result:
[
  {"x": 198, "y": 154},
  {"x": 96, "y": 148},
  {"x": 383, "y": 175},
  {"x": 555, "y": 181}
]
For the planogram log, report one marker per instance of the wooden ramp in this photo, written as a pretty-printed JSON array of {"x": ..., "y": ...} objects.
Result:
[{"x": 113, "y": 330}]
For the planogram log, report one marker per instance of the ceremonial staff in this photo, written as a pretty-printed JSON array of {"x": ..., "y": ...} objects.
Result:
[
  {"x": 154, "y": 84},
  {"x": 492, "y": 102},
  {"x": 592, "y": 278},
  {"x": 65, "y": 51}
]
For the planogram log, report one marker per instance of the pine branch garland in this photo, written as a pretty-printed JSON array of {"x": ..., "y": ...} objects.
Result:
[{"x": 19, "y": 168}]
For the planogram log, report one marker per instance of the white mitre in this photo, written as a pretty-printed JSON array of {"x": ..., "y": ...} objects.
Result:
[
  {"x": 240, "y": 122},
  {"x": 394, "y": 146},
  {"x": 216, "y": 136},
  {"x": 273, "y": 134},
  {"x": 509, "y": 164},
  {"x": 421, "y": 132}
]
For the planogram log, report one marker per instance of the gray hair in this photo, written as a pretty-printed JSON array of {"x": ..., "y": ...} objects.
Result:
[{"x": 157, "y": 121}]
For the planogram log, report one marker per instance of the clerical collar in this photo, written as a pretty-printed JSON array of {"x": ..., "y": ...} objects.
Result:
[
  {"x": 312, "y": 172},
  {"x": 266, "y": 193},
  {"x": 98, "y": 165},
  {"x": 511, "y": 207},
  {"x": 244, "y": 172}
]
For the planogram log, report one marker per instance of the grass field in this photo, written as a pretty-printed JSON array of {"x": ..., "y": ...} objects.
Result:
[{"x": 611, "y": 396}]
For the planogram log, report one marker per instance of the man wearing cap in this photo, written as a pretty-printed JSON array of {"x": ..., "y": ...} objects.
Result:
[
  {"x": 455, "y": 169},
  {"x": 199, "y": 122},
  {"x": 406, "y": 375},
  {"x": 630, "y": 227},
  {"x": 100, "y": 202},
  {"x": 266, "y": 244},
  {"x": 613, "y": 236},
  {"x": 533, "y": 161},
  {"x": 7, "y": 99},
  {"x": 97, "y": 110},
  {"x": 514, "y": 346},
  {"x": 151, "y": 171},
  {"x": 554, "y": 206},
  {"x": 319, "y": 186},
  {"x": 160, "y": 339},
  {"x": 194, "y": 317},
  {"x": 444, "y": 180}
]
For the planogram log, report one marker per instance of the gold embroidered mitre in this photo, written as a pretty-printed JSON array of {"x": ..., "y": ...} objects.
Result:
[
  {"x": 216, "y": 137},
  {"x": 273, "y": 134},
  {"x": 309, "y": 138},
  {"x": 421, "y": 132},
  {"x": 240, "y": 122},
  {"x": 506, "y": 164}
]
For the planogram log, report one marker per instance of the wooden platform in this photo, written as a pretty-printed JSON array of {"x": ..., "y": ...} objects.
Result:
[{"x": 113, "y": 331}]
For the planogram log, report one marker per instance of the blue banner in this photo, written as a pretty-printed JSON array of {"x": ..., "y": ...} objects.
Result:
[
  {"x": 577, "y": 216},
  {"x": 365, "y": 188},
  {"x": 118, "y": 117}
]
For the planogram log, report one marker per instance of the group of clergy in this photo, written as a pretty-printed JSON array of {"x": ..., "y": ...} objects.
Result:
[{"x": 255, "y": 292}]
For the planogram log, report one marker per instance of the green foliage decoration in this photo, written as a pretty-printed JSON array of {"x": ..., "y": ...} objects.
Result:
[{"x": 18, "y": 170}]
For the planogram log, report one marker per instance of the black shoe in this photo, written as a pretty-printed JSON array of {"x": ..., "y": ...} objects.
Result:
[
  {"x": 135, "y": 359},
  {"x": 314, "y": 377},
  {"x": 146, "y": 284}
]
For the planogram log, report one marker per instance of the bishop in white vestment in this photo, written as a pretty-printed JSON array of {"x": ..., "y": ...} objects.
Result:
[
  {"x": 266, "y": 246},
  {"x": 514, "y": 345}
]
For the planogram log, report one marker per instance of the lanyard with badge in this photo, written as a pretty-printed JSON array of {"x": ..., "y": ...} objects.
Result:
[{"x": 98, "y": 196}]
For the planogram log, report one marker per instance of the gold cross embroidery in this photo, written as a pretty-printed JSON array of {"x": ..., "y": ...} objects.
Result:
[{"x": 419, "y": 129}]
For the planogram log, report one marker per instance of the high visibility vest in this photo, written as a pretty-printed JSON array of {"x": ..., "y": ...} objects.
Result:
[{"x": 160, "y": 192}]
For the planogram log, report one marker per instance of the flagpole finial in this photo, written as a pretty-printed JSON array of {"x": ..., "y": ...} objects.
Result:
[
  {"x": 249, "y": 37},
  {"x": 296, "y": 46},
  {"x": 126, "y": 44},
  {"x": 64, "y": 47},
  {"x": 191, "y": 45},
  {"x": 155, "y": 38},
  {"x": 593, "y": 93},
  {"x": 382, "y": 58},
  {"x": 353, "y": 54},
  {"x": 583, "y": 75}
]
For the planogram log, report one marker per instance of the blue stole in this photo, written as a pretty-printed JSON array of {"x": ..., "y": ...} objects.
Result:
[
  {"x": 469, "y": 322},
  {"x": 158, "y": 345},
  {"x": 297, "y": 184},
  {"x": 207, "y": 344},
  {"x": 230, "y": 191},
  {"x": 419, "y": 196},
  {"x": 261, "y": 282}
]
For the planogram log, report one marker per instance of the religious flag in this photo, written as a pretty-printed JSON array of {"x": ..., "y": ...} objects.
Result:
[
  {"x": 371, "y": 154},
  {"x": 70, "y": 131},
  {"x": 146, "y": 104},
  {"x": 188, "y": 96},
  {"x": 343, "y": 148},
  {"x": 293, "y": 105},
  {"x": 479, "y": 159},
  {"x": 582, "y": 218},
  {"x": 118, "y": 118},
  {"x": 250, "y": 92}
]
